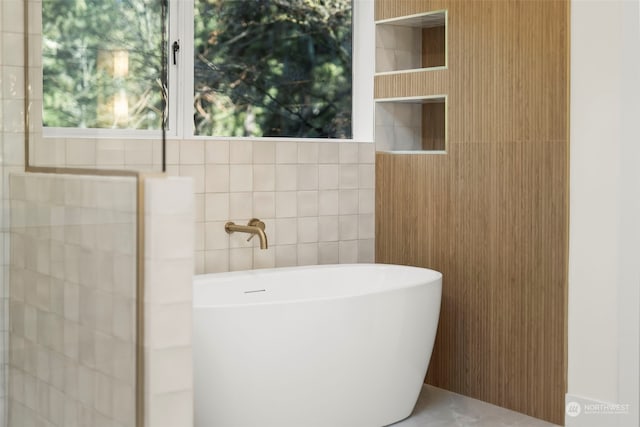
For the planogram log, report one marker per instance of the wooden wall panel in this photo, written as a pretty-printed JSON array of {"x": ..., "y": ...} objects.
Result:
[
  {"x": 433, "y": 126},
  {"x": 433, "y": 47},
  {"x": 491, "y": 214}
]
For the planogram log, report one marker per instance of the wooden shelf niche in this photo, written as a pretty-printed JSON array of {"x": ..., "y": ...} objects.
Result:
[
  {"x": 411, "y": 124},
  {"x": 411, "y": 43}
]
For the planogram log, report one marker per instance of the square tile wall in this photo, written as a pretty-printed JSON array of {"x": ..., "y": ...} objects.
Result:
[
  {"x": 72, "y": 298},
  {"x": 169, "y": 237},
  {"x": 316, "y": 199},
  {"x": 11, "y": 157}
]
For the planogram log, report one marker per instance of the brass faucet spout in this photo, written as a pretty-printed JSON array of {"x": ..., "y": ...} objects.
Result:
[{"x": 254, "y": 227}]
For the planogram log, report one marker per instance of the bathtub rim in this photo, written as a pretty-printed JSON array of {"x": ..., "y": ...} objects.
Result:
[{"x": 432, "y": 278}]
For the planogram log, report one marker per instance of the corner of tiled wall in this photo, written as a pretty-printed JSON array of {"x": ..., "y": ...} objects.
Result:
[
  {"x": 11, "y": 156},
  {"x": 169, "y": 238}
]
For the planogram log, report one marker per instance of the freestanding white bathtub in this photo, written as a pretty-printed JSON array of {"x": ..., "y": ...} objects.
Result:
[{"x": 326, "y": 346}]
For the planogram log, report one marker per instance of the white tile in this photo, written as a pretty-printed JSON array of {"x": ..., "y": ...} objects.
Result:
[
  {"x": 307, "y": 203},
  {"x": 13, "y": 49},
  {"x": 308, "y": 254},
  {"x": 264, "y": 258},
  {"x": 366, "y": 226},
  {"x": 348, "y": 152},
  {"x": 217, "y": 152},
  {"x": 366, "y": 251},
  {"x": 329, "y": 152},
  {"x": 123, "y": 403},
  {"x": 286, "y": 177},
  {"x": 241, "y": 152},
  {"x": 192, "y": 152},
  {"x": 366, "y": 153},
  {"x": 199, "y": 203},
  {"x": 215, "y": 236},
  {"x": 13, "y": 82},
  {"x": 169, "y": 237},
  {"x": 307, "y": 230},
  {"x": 168, "y": 325},
  {"x": 286, "y": 204},
  {"x": 170, "y": 409},
  {"x": 198, "y": 261},
  {"x": 264, "y": 204},
  {"x": 166, "y": 196},
  {"x": 308, "y": 152},
  {"x": 217, "y": 178},
  {"x": 366, "y": 176},
  {"x": 12, "y": 17},
  {"x": 287, "y": 152},
  {"x": 138, "y": 152},
  {"x": 199, "y": 236},
  {"x": 264, "y": 177},
  {"x": 264, "y": 152},
  {"x": 328, "y": 202},
  {"x": 172, "y": 152},
  {"x": 286, "y": 256},
  {"x": 216, "y": 261},
  {"x": 348, "y": 227},
  {"x": 103, "y": 352},
  {"x": 81, "y": 152},
  {"x": 348, "y": 251},
  {"x": 240, "y": 205},
  {"x": 197, "y": 173},
  {"x": 328, "y": 177},
  {"x": 366, "y": 201},
  {"x": 123, "y": 317},
  {"x": 240, "y": 259},
  {"x": 217, "y": 206},
  {"x": 110, "y": 152},
  {"x": 307, "y": 178},
  {"x": 169, "y": 370},
  {"x": 349, "y": 176},
  {"x": 286, "y": 232},
  {"x": 348, "y": 202},
  {"x": 328, "y": 253},
  {"x": 240, "y": 178}
]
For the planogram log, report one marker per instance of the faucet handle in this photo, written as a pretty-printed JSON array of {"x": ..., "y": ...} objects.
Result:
[{"x": 255, "y": 222}]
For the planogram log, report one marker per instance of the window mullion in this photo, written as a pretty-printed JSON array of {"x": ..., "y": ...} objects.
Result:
[{"x": 184, "y": 69}]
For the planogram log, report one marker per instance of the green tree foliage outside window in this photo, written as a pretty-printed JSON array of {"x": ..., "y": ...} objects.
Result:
[
  {"x": 278, "y": 68},
  {"x": 102, "y": 63}
]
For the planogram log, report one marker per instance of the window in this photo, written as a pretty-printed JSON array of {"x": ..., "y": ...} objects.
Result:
[
  {"x": 101, "y": 64},
  {"x": 246, "y": 68},
  {"x": 273, "y": 68}
]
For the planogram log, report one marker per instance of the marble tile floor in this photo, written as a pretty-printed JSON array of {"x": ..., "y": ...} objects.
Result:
[{"x": 441, "y": 408}]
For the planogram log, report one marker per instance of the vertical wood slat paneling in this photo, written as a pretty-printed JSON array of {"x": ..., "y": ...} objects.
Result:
[
  {"x": 433, "y": 47},
  {"x": 491, "y": 215},
  {"x": 433, "y": 126}
]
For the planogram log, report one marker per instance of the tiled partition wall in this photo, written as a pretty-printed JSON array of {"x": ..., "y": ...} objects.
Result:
[
  {"x": 316, "y": 199},
  {"x": 168, "y": 272},
  {"x": 11, "y": 155},
  {"x": 73, "y": 281},
  {"x": 73, "y": 301}
]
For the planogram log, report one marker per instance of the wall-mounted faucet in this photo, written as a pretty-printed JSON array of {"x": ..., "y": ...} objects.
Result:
[{"x": 253, "y": 227}]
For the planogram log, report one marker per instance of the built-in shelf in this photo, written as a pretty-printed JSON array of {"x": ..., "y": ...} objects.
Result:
[
  {"x": 411, "y": 43},
  {"x": 411, "y": 124}
]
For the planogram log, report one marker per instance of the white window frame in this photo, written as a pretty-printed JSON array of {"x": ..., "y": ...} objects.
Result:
[{"x": 181, "y": 80}]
